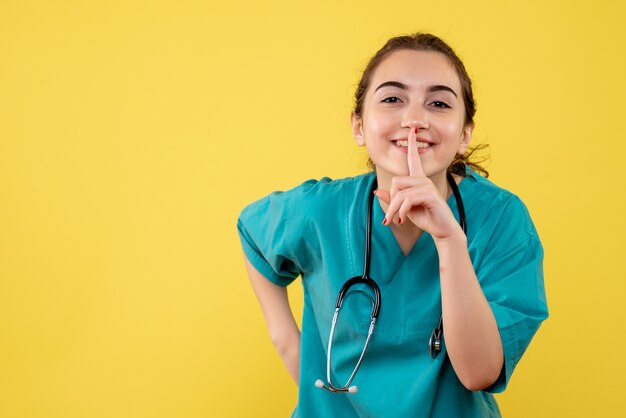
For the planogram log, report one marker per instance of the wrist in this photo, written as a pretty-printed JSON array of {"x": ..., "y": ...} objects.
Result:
[
  {"x": 453, "y": 254},
  {"x": 454, "y": 241}
]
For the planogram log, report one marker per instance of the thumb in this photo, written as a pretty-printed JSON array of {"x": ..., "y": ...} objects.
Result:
[{"x": 383, "y": 195}]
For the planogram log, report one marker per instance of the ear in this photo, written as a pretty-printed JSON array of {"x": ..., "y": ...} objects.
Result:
[
  {"x": 466, "y": 138},
  {"x": 357, "y": 129}
]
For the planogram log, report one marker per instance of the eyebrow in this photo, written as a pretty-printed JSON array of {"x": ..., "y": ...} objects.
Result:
[
  {"x": 442, "y": 88},
  {"x": 438, "y": 87},
  {"x": 392, "y": 84}
]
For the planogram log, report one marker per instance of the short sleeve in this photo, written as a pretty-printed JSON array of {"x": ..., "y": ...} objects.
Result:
[
  {"x": 263, "y": 228},
  {"x": 511, "y": 276}
]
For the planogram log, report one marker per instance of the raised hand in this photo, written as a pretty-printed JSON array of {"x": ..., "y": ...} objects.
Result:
[{"x": 416, "y": 198}]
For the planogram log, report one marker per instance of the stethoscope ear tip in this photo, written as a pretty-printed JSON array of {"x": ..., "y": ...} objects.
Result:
[{"x": 320, "y": 384}]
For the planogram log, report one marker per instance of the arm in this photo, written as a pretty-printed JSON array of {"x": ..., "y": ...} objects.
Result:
[
  {"x": 281, "y": 324},
  {"x": 470, "y": 329}
]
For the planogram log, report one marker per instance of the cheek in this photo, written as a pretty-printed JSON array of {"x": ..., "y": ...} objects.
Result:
[
  {"x": 451, "y": 130},
  {"x": 378, "y": 126}
]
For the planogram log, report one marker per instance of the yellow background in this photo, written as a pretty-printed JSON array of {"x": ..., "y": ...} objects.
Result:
[{"x": 133, "y": 132}]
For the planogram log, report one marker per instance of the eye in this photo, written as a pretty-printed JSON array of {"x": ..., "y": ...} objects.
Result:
[
  {"x": 440, "y": 105},
  {"x": 391, "y": 99}
]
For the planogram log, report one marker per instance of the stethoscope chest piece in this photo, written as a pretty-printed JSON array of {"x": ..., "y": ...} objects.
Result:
[{"x": 434, "y": 344}]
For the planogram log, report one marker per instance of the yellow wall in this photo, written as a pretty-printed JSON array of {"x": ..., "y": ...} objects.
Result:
[{"x": 133, "y": 132}]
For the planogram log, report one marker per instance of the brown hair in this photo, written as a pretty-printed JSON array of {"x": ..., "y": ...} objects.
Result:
[{"x": 427, "y": 42}]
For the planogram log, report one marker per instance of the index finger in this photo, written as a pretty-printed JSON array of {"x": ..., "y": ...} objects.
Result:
[{"x": 413, "y": 158}]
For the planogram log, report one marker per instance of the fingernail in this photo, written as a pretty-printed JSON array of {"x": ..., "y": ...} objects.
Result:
[
  {"x": 384, "y": 221},
  {"x": 400, "y": 221},
  {"x": 415, "y": 130}
]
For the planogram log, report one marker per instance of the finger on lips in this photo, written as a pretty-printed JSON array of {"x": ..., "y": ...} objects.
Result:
[
  {"x": 413, "y": 159},
  {"x": 394, "y": 198}
]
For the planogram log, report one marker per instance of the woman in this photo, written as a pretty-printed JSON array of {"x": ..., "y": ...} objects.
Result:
[{"x": 482, "y": 289}]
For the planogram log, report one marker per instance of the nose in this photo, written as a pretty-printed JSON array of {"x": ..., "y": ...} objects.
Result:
[{"x": 414, "y": 117}]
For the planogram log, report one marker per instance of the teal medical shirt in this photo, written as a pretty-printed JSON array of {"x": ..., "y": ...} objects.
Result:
[{"x": 317, "y": 231}]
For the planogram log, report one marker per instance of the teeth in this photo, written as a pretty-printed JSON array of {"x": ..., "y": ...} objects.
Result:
[{"x": 406, "y": 144}]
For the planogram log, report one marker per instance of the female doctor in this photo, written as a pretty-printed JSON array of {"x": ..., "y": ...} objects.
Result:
[{"x": 482, "y": 287}]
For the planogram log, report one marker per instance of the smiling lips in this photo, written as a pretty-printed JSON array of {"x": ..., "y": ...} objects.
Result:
[{"x": 405, "y": 144}]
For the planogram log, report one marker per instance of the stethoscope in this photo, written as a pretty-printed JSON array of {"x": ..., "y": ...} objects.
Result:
[{"x": 434, "y": 343}]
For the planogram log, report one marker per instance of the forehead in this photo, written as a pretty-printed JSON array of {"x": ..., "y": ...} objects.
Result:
[{"x": 416, "y": 69}]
